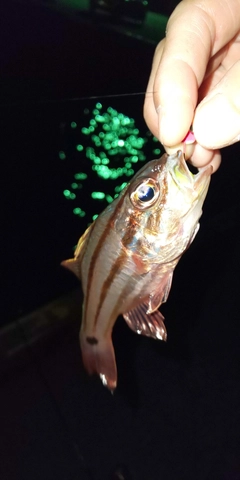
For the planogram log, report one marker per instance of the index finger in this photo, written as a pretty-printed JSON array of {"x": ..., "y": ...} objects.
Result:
[{"x": 195, "y": 32}]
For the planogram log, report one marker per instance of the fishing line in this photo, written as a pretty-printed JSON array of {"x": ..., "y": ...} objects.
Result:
[{"x": 73, "y": 100}]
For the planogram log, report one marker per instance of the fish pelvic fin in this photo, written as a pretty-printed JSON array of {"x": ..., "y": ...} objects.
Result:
[
  {"x": 157, "y": 298},
  {"x": 99, "y": 357},
  {"x": 149, "y": 324}
]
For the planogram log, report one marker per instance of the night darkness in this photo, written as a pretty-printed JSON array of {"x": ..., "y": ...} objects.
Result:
[{"x": 175, "y": 413}]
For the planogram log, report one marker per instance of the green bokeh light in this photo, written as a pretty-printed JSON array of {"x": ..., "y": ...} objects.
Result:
[
  {"x": 62, "y": 155},
  {"x": 98, "y": 195},
  {"x": 80, "y": 176},
  {"x": 79, "y": 148},
  {"x": 78, "y": 211},
  {"x": 109, "y": 147}
]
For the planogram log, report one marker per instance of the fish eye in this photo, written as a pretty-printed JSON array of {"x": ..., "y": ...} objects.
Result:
[{"x": 145, "y": 194}]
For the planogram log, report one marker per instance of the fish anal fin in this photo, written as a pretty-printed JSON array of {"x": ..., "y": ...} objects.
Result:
[
  {"x": 157, "y": 298},
  {"x": 143, "y": 323},
  {"x": 99, "y": 357},
  {"x": 73, "y": 265}
]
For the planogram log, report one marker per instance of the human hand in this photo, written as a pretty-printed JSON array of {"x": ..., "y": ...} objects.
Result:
[{"x": 195, "y": 80}]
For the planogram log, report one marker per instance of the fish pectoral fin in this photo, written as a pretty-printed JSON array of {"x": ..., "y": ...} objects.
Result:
[
  {"x": 99, "y": 357},
  {"x": 157, "y": 298},
  {"x": 143, "y": 323}
]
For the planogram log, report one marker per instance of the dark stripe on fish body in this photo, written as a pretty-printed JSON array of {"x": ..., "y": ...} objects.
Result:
[
  {"x": 119, "y": 301},
  {"x": 124, "y": 294},
  {"x": 108, "y": 282},
  {"x": 97, "y": 250},
  {"x": 116, "y": 267}
]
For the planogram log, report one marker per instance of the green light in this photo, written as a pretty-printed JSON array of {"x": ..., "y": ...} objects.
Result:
[
  {"x": 94, "y": 217},
  {"x": 66, "y": 193},
  {"x": 97, "y": 160},
  {"x": 98, "y": 195},
  {"x": 99, "y": 118},
  {"x": 125, "y": 121},
  {"x": 156, "y": 151},
  {"x": 113, "y": 146},
  {"x": 62, "y": 155},
  {"x": 85, "y": 131},
  {"x": 80, "y": 176},
  {"x": 78, "y": 211},
  {"x": 109, "y": 198},
  {"x": 119, "y": 188},
  {"x": 79, "y": 148},
  {"x": 69, "y": 195},
  {"x": 130, "y": 172},
  {"x": 105, "y": 161},
  {"x": 155, "y": 139}
]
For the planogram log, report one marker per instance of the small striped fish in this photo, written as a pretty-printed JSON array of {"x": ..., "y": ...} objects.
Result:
[{"x": 126, "y": 258}]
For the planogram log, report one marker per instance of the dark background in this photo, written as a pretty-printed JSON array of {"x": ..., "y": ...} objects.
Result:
[{"x": 175, "y": 413}]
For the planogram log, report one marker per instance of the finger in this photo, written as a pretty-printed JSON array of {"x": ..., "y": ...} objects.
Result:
[
  {"x": 218, "y": 66},
  {"x": 217, "y": 118},
  {"x": 149, "y": 110},
  {"x": 202, "y": 157},
  {"x": 195, "y": 32}
]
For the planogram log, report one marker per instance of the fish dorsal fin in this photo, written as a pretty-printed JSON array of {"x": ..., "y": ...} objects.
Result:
[
  {"x": 161, "y": 296},
  {"x": 80, "y": 248},
  {"x": 74, "y": 264},
  {"x": 143, "y": 323}
]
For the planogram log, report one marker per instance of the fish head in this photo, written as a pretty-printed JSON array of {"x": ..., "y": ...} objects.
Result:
[{"x": 162, "y": 206}]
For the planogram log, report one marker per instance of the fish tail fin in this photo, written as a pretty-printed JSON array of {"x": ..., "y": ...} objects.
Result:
[{"x": 99, "y": 357}]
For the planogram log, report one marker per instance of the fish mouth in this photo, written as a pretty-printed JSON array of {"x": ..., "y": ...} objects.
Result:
[{"x": 183, "y": 175}]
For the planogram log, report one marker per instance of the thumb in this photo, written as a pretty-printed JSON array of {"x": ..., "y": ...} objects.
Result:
[{"x": 217, "y": 118}]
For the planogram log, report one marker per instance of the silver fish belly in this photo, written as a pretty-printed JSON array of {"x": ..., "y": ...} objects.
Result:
[{"x": 126, "y": 258}]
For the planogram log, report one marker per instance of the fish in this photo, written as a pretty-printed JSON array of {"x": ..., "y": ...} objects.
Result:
[{"x": 126, "y": 257}]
